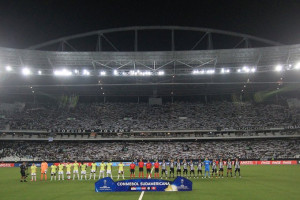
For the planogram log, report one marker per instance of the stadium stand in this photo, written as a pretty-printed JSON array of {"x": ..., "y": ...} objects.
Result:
[{"x": 68, "y": 151}]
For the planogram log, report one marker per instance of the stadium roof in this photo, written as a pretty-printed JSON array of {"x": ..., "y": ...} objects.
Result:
[{"x": 148, "y": 73}]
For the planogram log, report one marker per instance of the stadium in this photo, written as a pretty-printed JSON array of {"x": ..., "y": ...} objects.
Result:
[{"x": 96, "y": 107}]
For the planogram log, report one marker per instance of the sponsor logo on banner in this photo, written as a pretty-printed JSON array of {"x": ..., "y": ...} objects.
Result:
[
  {"x": 7, "y": 164},
  {"x": 276, "y": 162},
  {"x": 248, "y": 162},
  {"x": 108, "y": 185},
  {"x": 265, "y": 162}
]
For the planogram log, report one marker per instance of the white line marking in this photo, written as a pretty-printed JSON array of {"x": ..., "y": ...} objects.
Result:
[{"x": 142, "y": 194}]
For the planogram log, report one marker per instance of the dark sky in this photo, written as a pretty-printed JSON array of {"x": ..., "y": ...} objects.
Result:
[{"x": 24, "y": 22}]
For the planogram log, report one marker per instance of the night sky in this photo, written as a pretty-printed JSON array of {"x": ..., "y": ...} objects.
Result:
[{"x": 24, "y": 23}]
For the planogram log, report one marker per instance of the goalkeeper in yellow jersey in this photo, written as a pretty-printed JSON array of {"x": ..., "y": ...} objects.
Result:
[{"x": 93, "y": 170}]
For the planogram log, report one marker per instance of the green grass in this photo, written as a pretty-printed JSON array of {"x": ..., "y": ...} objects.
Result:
[{"x": 257, "y": 182}]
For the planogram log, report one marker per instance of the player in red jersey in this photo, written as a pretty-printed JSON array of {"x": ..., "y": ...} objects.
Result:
[
  {"x": 132, "y": 170},
  {"x": 156, "y": 169},
  {"x": 148, "y": 167},
  {"x": 141, "y": 168}
]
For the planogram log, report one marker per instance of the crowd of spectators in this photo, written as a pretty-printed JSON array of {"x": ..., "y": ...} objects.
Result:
[
  {"x": 142, "y": 116},
  {"x": 83, "y": 150}
]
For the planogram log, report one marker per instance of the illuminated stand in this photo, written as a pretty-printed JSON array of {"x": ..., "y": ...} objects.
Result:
[{"x": 153, "y": 185}]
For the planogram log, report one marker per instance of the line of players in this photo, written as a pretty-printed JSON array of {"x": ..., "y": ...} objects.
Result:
[{"x": 106, "y": 169}]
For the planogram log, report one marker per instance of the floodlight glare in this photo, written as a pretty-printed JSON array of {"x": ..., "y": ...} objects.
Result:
[
  {"x": 102, "y": 73},
  {"x": 278, "y": 68},
  {"x": 86, "y": 72},
  {"x": 8, "y": 68},
  {"x": 297, "y": 66},
  {"x": 63, "y": 72},
  {"x": 116, "y": 72},
  {"x": 239, "y": 70},
  {"x": 40, "y": 72},
  {"x": 76, "y": 71},
  {"x": 225, "y": 71},
  {"x": 253, "y": 70},
  {"x": 26, "y": 71}
]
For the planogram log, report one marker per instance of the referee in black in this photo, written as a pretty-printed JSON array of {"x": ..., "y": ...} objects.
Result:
[{"x": 23, "y": 172}]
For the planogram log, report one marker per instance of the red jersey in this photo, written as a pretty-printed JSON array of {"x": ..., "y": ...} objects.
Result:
[
  {"x": 148, "y": 165},
  {"x": 156, "y": 165},
  {"x": 141, "y": 164},
  {"x": 132, "y": 166}
]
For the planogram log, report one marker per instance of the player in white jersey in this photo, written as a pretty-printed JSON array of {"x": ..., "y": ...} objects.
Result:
[
  {"x": 172, "y": 166},
  {"x": 199, "y": 171},
  {"x": 178, "y": 167},
  {"x": 221, "y": 169},
  {"x": 214, "y": 168},
  {"x": 185, "y": 168},
  {"x": 237, "y": 167},
  {"x": 164, "y": 169},
  {"x": 229, "y": 167},
  {"x": 192, "y": 169}
]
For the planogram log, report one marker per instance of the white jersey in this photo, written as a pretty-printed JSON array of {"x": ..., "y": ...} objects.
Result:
[
  {"x": 221, "y": 165},
  {"x": 178, "y": 165},
  {"x": 192, "y": 166},
  {"x": 184, "y": 165},
  {"x": 229, "y": 164},
  {"x": 200, "y": 165},
  {"x": 214, "y": 165},
  {"x": 237, "y": 164},
  {"x": 172, "y": 165}
]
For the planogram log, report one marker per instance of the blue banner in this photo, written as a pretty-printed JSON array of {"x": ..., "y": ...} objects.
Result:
[{"x": 134, "y": 185}]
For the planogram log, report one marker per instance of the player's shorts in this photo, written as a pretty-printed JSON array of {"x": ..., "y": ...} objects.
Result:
[
  {"x": 237, "y": 169},
  {"x": 171, "y": 170},
  {"x": 93, "y": 171},
  {"x": 101, "y": 171},
  {"x": 184, "y": 170},
  {"x": 108, "y": 171},
  {"x": 214, "y": 170},
  {"x": 60, "y": 172},
  {"x": 192, "y": 171},
  {"x": 132, "y": 171},
  {"x": 229, "y": 168},
  {"x": 179, "y": 170},
  {"x": 156, "y": 170},
  {"x": 206, "y": 170},
  {"x": 43, "y": 171},
  {"x": 221, "y": 169},
  {"x": 33, "y": 174},
  {"x": 148, "y": 171},
  {"x": 163, "y": 171},
  {"x": 141, "y": 169},
  {"x": 83, "y": 172},
  {"x": 53, "y": 173},
  {"x": 75, "y": 171},
  {"x": 22, "y": 173},
  {"x": 199, "y": 170},
  {"x": 68, "y": 173},
  {"x": 121, "y": 172}
]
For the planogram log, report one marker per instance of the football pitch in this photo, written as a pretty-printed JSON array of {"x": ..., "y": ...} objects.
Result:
[{"x": 257, "y": 182}]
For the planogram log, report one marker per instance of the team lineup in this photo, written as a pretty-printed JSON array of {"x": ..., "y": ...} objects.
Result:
[{"x": 76, "y": 170}]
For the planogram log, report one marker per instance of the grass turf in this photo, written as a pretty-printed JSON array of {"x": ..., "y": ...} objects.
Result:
[{"x": 257, "y": 182}]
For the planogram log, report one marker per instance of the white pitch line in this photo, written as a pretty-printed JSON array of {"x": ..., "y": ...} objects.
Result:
[{"x": 142, "y": 194}]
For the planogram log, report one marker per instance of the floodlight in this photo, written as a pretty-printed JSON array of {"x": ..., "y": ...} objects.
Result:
[
  {"x": 102, "y": 73},
  {"x": 40, "y": 72},
  {"x": 86, "y": 72},
  {"x": 63, "y": 72},
  {"x": 26, "y": 71},
  {"x": 116, "y": 72},
  {"x": 297, "y": 66},
  {"x": 8, "y": 68},
  {"x": 278, "y": 68}
]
